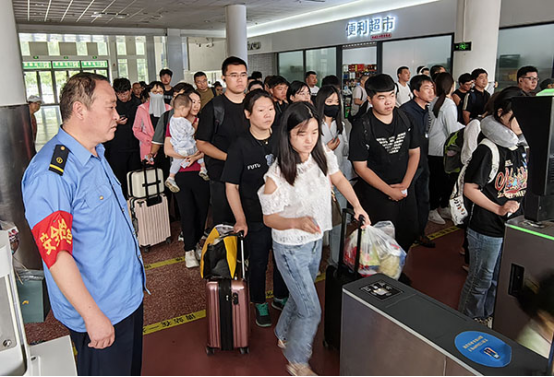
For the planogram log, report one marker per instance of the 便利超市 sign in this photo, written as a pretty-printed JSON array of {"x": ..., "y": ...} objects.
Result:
[{"x": 372, "y": 26}]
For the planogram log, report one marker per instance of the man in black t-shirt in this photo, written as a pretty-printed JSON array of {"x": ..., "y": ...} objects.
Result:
[
  {"x": 122, "y": 152},
  {"x": 215, "y": 135},
  {"x": 384, "y": 150},
  {"x": 476, "y": 100},
  {"x": 165, "y": 78}
]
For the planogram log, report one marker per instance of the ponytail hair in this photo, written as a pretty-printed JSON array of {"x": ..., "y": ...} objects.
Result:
[{"x": 443, "y": 83}]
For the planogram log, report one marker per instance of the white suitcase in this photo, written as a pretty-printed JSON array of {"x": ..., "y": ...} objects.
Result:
[
  {"x": 136, "y": 182},
  {"x": 151, "y": 220}
]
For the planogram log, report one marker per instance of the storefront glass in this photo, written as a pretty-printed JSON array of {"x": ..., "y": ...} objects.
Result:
[
  {"x": 518, "y": 47},
  {"x": 291, "y": 65},
  {"x": 323, "y": 61},
  {"x": 416, "y": 52}
]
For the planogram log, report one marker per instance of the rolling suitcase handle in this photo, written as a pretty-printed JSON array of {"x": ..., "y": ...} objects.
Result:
[
  {"x": 155, "y": 199},
  {"x": 360, "y": 221}
]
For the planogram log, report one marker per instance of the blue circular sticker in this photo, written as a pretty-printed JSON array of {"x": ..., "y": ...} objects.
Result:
[{"x": 484, "y": 349}]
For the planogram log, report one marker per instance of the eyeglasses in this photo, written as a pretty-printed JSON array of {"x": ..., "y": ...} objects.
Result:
[
  {"x": 303, "y": 93},
  {"x": 530, "y": 78},
  {"x": 235, "y": 76}
]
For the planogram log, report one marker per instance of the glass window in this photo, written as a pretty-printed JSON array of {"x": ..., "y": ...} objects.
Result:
[
  {"x": 142, "y": 70},
  {"x": 291, "y": 65},
  {"x": 31, "y": 84},
  {"x": 121, "y": 46},
  {"x": 102, "y": 48},
  {"x": 53, "y": 48},
  {"x": 415, "y": 52},
  {"x": 82, "y": 49},
  {"x": 140, "y": 45},
  {"x": 515, "y": 51},
  {"x": 322, "y": 61},
  {"x": 25, "y": 37},
  {"x": 25, "y": 50},
  {"x": 47, "y": 87},
  {"x": 123, "y": 68}
]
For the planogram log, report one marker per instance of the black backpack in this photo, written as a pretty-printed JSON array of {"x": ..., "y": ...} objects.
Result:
[{"x": 453, "y": 152}]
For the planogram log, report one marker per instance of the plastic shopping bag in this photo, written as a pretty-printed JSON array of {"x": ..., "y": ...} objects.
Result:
[{"x": 380, "y": 253}]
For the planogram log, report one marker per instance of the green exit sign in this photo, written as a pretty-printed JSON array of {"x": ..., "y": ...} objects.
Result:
[
  {"x": 462, "y": 46},
  {"x": 94, "y": 64}
]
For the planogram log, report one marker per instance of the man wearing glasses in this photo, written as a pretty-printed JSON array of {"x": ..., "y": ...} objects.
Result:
[
  {"x": 222, "y": 120},
  {"x": 527, "y": 79}
]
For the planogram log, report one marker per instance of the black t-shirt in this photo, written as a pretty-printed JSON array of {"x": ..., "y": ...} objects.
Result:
[
  {"x": 420, "y": 119},
  {"x": 124, "y": 139},
  {"x": 460, "y": 106},
  {"x": 233, "y": 125},
  {"x": 510, "y": 183},
  {"x": 248, "y": 160},
  {"x": 475, "y": 102},
  {"x": 168, "y": 95},
  {"x": 385, "y": 147}
]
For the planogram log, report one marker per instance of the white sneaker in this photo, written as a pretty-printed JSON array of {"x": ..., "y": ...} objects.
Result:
[
  {"x": 190, "y": 259},
  {"x": 435, "y": 217},
  {"x": 445, "y": 213},
  {"x": 172, "y": 185}
]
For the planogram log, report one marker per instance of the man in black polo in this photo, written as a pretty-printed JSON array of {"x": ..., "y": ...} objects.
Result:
[
  {"x": 221, "y": 122},
  {"x": 423, "y": 92}
]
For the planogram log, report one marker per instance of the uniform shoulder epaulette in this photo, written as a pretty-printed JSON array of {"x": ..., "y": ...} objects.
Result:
[{"x": 59, "y": 158}]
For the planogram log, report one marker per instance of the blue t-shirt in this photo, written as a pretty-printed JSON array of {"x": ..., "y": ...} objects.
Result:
[{"x": 81, "y": 209}]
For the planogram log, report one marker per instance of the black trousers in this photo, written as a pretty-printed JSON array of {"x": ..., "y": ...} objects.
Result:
[
  {"x": 122, "y": 358},
  {"x": 421, "y": 186},
  {"x": 221, "y": 211},
  {"x": 440, "y": 183},
  {"x": 122, "y": 163},
  {"x": 193, "y": 200},
  {"x": 257, "y": 243},
  {"x": 403, "y": 213}
]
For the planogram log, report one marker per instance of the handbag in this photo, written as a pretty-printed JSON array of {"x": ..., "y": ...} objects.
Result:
[{"x": 335, "y": 210}]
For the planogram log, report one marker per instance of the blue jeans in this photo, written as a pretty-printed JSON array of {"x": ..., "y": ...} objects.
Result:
[
  {"x": 334, "y": 234},
  {"x": 299, "y": 320},
  {"x": 479, "y": 291}
]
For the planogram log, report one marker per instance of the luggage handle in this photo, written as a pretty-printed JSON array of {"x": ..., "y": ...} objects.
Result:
[
  {"x": 154, "y": 200},
  {"x": 360, "y": 221}
]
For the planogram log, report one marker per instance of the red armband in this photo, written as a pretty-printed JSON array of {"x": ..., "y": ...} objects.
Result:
[{"x": 52, "y": 235}]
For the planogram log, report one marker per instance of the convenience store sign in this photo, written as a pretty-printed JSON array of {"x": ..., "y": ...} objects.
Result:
[{"x": 371, "y": 26}]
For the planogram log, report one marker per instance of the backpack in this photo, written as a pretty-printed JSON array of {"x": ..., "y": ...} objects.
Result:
[
  {"x": 452, "y": 154},
  {"x": 457, "y": 207},
  {"x": 361, "y": 112},
  {"x": 219, "y": 113}
]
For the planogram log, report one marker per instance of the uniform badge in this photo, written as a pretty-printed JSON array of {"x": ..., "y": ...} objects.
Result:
[{"x": 59, "y": 158}]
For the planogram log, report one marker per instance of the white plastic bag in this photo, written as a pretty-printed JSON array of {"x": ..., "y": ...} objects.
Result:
[{"x": 380, "y": 253}]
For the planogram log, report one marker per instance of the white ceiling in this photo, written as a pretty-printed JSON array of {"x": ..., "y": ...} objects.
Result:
[{"x": 179, "y": 14}]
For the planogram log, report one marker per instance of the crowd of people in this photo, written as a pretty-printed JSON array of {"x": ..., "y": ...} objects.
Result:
[{"x": 267, "y": 156}]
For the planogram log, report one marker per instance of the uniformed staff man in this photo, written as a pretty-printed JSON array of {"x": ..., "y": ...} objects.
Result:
[{"x": 79, "y": 219}]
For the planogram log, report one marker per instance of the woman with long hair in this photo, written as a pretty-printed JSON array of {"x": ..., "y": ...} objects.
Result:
[
  {"x": 443, "y": 117},
  {"x": 296, "y": 203},
  {"x": 328, "y": 107}
]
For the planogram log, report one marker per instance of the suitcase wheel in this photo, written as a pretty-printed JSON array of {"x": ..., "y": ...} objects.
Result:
[
  {"x": 209, "y": 351},
  {"x": 168, "y": 240},
  {"x": 244, "y": 350}
]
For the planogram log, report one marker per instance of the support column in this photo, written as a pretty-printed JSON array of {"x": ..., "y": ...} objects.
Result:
[
  {"x": 151, "y": 58},
  {"x": 477, "y": 22},
  {"x": 175, "y": 54},
  {"x": 16, "y": 145},
  {"x": 236, "y": 31}
]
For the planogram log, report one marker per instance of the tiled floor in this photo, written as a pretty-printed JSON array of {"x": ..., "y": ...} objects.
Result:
[{"x": 177, "y": 291}]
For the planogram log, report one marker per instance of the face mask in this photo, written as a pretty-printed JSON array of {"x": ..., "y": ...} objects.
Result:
[
  {"x": 331, "y": 111},
  {"x": 157, "y": 105}
]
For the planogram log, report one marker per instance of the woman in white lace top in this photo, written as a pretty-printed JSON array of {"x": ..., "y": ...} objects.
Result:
[{"x": 296, "y": 203}]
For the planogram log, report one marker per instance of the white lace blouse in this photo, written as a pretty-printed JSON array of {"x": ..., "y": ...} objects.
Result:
[{"x": 310, "y": 196}]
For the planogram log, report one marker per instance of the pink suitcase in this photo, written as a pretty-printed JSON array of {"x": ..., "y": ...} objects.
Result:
[
  {"x": 228, "y": 313},
  {"x": 150, "y": 213}
]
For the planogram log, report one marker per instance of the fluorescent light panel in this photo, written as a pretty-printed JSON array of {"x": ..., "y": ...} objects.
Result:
[{"x": 336, "y": 13}]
